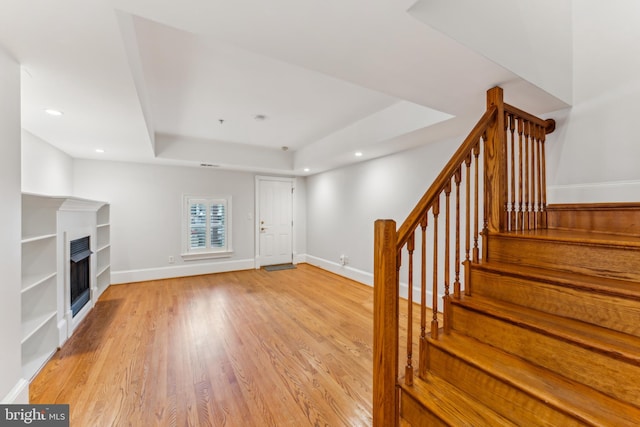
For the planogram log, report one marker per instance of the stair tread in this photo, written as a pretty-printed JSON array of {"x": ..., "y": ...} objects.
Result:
[
  {"x": 603, "y": 285},
  {"x": 577, "y": 236},
  {"x": 571, "y": 397},
  {"x": 448, "y": 402},
  {"x": 606, "y": 341}
]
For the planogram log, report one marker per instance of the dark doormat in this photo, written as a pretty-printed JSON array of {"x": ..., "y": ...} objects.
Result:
[{"x": 279, "y": 267}]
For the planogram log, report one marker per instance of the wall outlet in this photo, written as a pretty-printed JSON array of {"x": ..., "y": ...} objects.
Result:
[
  {"x": 170, "y": 259},
  {"x": 344, "y": 260}
]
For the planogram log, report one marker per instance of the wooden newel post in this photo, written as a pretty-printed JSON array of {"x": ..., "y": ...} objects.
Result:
[
  {"x": 385, "y": 326},
  {"x": 495, "y": 184}
]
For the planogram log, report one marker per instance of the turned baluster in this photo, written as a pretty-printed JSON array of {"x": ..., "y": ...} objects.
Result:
[
  {"x": 486, "y": 207},
  {"x": 520, "y": 176},
  {"x": 447, "y": 250},
  {"x": 512, "y": 209},
  {"x": 543, "y": 174},
  {"x": 423, "y": 301},
  {"x": 408, "y": 375},
  {"x": 456, "y": 284},
  {"x": 534, "y": 178},
  {"x": 476, "y": 250},
  {"x": 434, "y": 321},
  {"x": 527, "y": 129},
  {"x": 467, "y": 237},
  {"x": 539, "y": 134}
]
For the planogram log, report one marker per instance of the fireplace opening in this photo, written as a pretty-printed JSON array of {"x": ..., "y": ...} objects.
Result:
[{"x": 80, "y": 275}]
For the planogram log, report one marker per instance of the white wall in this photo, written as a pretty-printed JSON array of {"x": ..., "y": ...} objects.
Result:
[
  {"x": 45, "y": 169},
  {"x": 146, "y": 214},
  {"x": 530, "y": 38},
  {"x": 343, "y": 204},
  {"x": 12, "y": 387},
  {"x": 593, "y": 156}
]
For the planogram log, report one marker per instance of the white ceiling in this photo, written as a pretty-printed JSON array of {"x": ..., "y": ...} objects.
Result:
[{"x": 182, "y": 82}]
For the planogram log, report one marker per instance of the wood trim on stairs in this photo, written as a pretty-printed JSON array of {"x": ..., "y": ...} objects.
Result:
[{"x": 617, "y": 218}]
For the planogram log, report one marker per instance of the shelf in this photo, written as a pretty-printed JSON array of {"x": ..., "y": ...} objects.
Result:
[
  {"x": 102, "y": 235},
  {"x": 38, "y": 238},
  {"x": 31, "y": 368},
  {"x": 39, "y": 305},
  {"x": 31, "y": 282},
  {"x": 39, "y": 215},
  {"x": 102, "y": 216},
  {"x": 103, "y": 260},
  {"x": 39, "y": 347},
  {"x": 101, "y": 249},
  {"x": 102, "y": 271},
  {"x": 104, "y": 280},
  {"x": 39, "y": 260},
  {"x": 103, "y": 225},
  {"x": 31, "y": 326}
]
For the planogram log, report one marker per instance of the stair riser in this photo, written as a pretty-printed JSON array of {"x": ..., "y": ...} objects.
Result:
[
  {"x": 607, "y": 374},
  {"x": 416, "y": 414},
  {"x": 611, "y": 312},
  {"x": 598, "y": 260},
  {"x": 502, "y": 398},
  {"x": 620, "y": 218}
]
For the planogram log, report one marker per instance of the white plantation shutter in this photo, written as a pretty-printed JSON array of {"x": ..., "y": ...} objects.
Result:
[
  {"x": 208, "y": 227},
  {"x": 217, "y": 227},
  {"x": 198, "y": 226}
]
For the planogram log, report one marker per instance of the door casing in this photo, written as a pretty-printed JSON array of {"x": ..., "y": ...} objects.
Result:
[{"x": 259, "y": 261}]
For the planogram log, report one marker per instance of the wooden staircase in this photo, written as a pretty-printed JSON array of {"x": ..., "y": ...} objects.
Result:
[
  {"x": 544, "y": 332},
  {"x": 551, "y": 345}
]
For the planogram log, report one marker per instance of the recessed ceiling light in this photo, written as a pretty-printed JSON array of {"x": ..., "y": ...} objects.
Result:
[
  {"x": 53, "y": 112},
  {"x": 99, "y": 150},
  {"x": 306, "y": 169},
  {"x": 358, "y": 153}
]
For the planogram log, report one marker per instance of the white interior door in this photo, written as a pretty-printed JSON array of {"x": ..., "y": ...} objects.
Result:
[{"x": 275, "y": 221}]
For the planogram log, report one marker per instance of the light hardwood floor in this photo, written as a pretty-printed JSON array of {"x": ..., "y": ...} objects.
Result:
[{"x": 250, "y": 348}]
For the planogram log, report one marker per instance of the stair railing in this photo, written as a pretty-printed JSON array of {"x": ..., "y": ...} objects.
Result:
[{"x": 498, "y": 170}]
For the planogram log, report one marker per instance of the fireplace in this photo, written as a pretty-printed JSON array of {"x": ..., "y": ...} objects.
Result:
[{"x": 79, "y": 273}]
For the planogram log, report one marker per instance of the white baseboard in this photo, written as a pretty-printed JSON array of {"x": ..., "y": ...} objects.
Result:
[
  {"x": 599, "y": 192},
  {"x": 183, "y": 270},
  {"x": 19, "y": 394},
  {"x": 417, "y": 295},
  {"x": 299, "y": 258},
  {"x": 367, "y": 278},
  {"x": 342, "y": 270}
]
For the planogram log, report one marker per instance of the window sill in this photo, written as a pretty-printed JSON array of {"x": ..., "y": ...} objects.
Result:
[{"x": 205, "y": 255}]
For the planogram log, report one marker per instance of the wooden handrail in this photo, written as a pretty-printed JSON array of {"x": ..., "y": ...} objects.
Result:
[
  {"x": 459, "y": 157},
  {"x": 549, "y": 125}
]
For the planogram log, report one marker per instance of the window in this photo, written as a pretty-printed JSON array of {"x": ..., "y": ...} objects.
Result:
[{"x": 207, "y": 227}]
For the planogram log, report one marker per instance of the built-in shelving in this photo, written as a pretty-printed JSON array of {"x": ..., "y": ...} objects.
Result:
[
  {"x": 103, "y": 249},
  {"x": 39, "y": 281},
  {"x": 103, "y": 232},
  {"x": 43, "y": 271},
  {"x": 38, "y": 259},
  {"x": 39, "y": 346}
]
